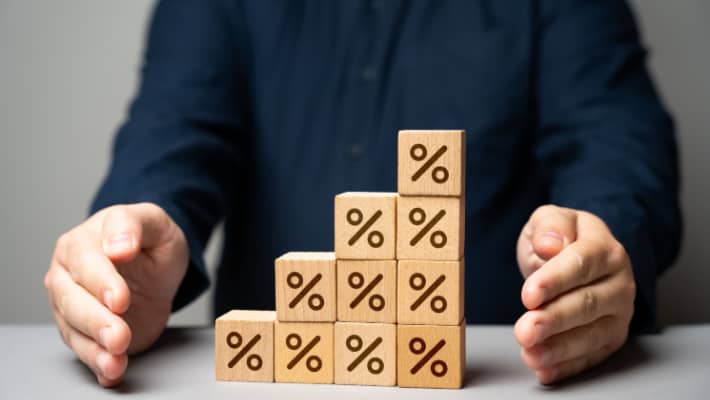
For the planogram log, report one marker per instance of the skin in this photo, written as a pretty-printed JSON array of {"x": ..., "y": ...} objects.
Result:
[
  {"x": 579, "y": 291},
  {"x": 112, "y": 280},
  {"x": 111, "y": 283}
]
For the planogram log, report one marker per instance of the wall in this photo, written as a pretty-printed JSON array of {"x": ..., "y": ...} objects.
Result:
[{"x": 69, "y": 68}]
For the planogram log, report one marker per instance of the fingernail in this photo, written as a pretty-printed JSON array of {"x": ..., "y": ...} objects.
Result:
[
  {"x": 120, "y": 242},
  {"x": 108, "y": 299},
  {"x": 535, "y": 295},
  {"x": 102, "y": 361},
  {"x": 553, "y": 238},
  {"x": 103, "y": 336}
]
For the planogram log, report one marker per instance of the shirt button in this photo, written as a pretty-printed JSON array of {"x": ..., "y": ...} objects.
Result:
[
  {"x": 355, "y": 151},
  {"x": 369, "y": 74}
]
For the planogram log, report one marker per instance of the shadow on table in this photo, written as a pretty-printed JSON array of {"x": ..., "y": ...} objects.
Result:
[
  {"x": 171, "y": 340},
  {"x": 632, "y": 356}
]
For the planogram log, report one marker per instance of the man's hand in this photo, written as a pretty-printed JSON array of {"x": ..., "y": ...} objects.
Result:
[
  {"x": 579, "y": 290},
  {"x": 111, "y": 284}
]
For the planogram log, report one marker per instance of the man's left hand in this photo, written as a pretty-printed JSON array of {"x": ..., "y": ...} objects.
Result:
[{"x": 579, "y": 291}]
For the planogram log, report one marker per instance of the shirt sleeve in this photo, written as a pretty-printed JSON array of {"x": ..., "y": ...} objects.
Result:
[
  {"x": 604, "y": 139},
  {"x": 181, "y": 145}
]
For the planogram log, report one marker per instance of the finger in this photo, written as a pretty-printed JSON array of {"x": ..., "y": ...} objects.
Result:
[
  {"x": 108, "y": 368},
  {"x": 574, "y": 343},
  {"x": 84, "y": 313},
  {"x": 576, "y": 308},
  {"x": 580, "y": 263},
  {"x": 528, "y": 260},
  {"x": 573, "y": 367},
  {"x": 88, "y": 266},
  {"x": 127, "y": 229},
  {"x": 553, "y": 228}
]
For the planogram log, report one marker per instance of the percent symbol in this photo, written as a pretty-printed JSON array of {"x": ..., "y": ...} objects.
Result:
[
  {"x": 375, "y": 365},
  {"x": 356, "y": 280},
  {"x": 417, "y": 217},
  {"x": 417, "y": 282},
  {"x": 418, "y": 346},
  {"x": 294, "y": 280},
  {"x": 234, "y": 340},
  {"x": 439, "y": 174},
  {"x": 294, "y": 342},
  {"x": 355, "y": 218}
]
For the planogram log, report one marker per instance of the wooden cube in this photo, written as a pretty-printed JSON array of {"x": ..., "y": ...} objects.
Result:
[
  {"x": 303, "y": 352},
  {"x": 365, "y": 354},
  {"x": 431, "y": 356},
  {"x": 305, "y": 286},
  {"x": 244, "y": 346},
  {"x": 430, "y": 228},
  {"x": 432, "y": 163},
  {"x": 367, "y": 290},
  {"x": 430, "y": 292},
  {"x": 365, "y": 226}
]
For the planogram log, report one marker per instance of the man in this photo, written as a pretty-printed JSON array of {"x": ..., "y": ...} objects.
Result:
[{"x": 259, "y": 112}]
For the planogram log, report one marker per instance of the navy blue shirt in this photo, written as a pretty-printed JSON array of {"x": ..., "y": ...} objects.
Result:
[{"x": 259, "y": 112}]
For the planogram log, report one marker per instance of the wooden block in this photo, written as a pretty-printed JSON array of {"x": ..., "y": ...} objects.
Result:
[
  {"x": 244, "y": 346},
  {"x": 367, "y": 290},
  {"x": 365, "y": 354},
  {"x": 430, "y": 228},
  {"x": 430, "y": 292},
  {"x": 303, "y": 352},
  {"x": 365, "y": 226},
  {"x": 431, "y": 356},
  {"x": 432, "y": 163},
  {"x": 305, "y": 286}
]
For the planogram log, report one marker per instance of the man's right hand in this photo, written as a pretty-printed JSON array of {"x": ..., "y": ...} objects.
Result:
[{"x": 111, "y": 284}]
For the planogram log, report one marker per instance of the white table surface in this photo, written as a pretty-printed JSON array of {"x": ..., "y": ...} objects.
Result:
[{"x": 675, "y": 364}]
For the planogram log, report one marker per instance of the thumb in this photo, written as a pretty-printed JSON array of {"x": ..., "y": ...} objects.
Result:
[
  {"x": 127, "y": 229},
  {"x": 553, "y": 228}
]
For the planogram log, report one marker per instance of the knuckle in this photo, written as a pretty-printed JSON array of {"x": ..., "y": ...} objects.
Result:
[
  {"x": 61, "y": 300},
  {"x": 594, "y": 338},
  {"x": 630, "y": 289},
  {"x": 617, "y": 253},
  {"x": 62, "y": 242},
  {"x": 554, "y": 318},
  {"x": 590, "y": 303},
  {"x": 48, "y": 279},
  {"x": 582, "y": 266}
]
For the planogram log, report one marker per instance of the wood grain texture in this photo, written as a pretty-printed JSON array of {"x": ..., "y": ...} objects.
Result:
[
  {"x": 365, "y": 226},
  {"x": 367, "y": 290},
  {"x": 244, "y": 346},
  {"x": 430, "y": 228},
  {"x": 365, "y": 354},
  {"x": 305, "y": 286},
  {"x": 303, "y": 352},
  {"x": 431, "y": 163},
  {"x": 431, "y": 356},
  {"x": 430, "y": 292}
]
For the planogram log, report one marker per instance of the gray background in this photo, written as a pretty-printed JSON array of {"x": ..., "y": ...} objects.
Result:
[{"x": 68, "y": 69}]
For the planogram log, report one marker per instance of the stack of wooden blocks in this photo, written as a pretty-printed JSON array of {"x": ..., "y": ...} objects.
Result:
[{"x": 387, "y": 308}]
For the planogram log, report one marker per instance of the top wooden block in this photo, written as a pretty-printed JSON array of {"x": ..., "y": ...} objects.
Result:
[{"x": 432, "y": 163}]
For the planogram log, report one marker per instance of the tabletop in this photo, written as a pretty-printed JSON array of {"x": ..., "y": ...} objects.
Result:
[{"x": 674, "y": 363}]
